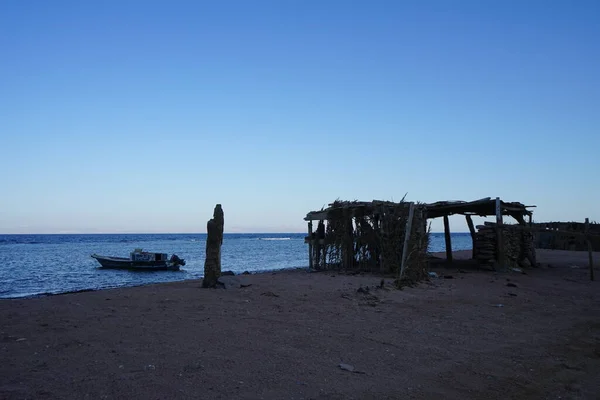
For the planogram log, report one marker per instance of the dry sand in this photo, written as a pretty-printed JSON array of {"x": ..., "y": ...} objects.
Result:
[{"x": 477, "y": 335}]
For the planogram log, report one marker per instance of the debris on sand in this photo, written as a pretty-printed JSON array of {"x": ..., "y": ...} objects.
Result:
[
  {"x": 349, "y": 368},
  {"x": 346, "y": 367},
  {"x": 364, "y": 290}
]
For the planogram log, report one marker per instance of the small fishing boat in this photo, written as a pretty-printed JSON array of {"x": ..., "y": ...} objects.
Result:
[{"x": 141, "y": 260}]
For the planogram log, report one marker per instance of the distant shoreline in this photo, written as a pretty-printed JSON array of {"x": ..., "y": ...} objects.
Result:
[{"x": 180, "y": 233}]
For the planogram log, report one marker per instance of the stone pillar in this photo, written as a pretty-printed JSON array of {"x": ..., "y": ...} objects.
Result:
[{"x": 214, "y": 240}]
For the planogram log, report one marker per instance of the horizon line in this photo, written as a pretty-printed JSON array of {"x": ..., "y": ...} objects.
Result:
[{"x": 170, "y": 233}]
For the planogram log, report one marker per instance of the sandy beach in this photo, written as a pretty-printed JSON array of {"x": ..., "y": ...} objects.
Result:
[{"x": 467, "y": 334}]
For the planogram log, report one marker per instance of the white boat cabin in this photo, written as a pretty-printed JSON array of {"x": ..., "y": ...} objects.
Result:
[{"x": 145, "y": 256}]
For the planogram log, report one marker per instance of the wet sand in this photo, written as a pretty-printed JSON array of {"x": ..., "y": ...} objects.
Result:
[{"x": 473, "y": 334}]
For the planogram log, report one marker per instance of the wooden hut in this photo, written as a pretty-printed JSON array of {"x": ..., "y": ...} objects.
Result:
[
  {"x": 375, "y": 236},
  {"x": 495, "y": 244}
]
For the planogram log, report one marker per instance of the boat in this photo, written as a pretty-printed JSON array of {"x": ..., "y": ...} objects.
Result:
[{"x": 141, "y": 260}]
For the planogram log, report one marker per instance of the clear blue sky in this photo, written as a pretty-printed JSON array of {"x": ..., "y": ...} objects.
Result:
[{"x": 139, "y": 116}]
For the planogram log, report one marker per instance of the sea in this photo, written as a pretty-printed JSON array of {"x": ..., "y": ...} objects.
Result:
[{"x": 33, "y": 265}]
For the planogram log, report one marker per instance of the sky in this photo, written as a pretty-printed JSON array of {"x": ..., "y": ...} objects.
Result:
[{"x": 140, "y": 116}]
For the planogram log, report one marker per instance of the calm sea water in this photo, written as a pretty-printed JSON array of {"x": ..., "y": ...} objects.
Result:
[{"x": 43, "y": 264}]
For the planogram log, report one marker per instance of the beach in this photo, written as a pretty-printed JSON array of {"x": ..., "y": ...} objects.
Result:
[{"x": 299, "y": 335}]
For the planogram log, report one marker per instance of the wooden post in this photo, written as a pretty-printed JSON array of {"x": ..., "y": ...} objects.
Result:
[
  {"x": 411, "y": 212},
  {"x": 348, "y": 244},
  {"x": 214, "y": 241},
  {"x": 351, "y": 253},
  {"x": 448, "y": 240},
  {"x": 499, "y": 239},
  {"x": 310, "y": 245},
  {"x": 530, "y": 220},
  {"x": 589, "y": 246},
  {"x": 382, "y": 227},
  {"x": 377, "y": 250},
  {"x": 320, "y": 248},
  {"x": 323, "y": 253},
  {"x": 473, "y": 233}
]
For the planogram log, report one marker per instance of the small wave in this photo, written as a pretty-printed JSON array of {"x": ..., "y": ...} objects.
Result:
[
  {"x": 19, "y": 241},
  {"x": 286, "y": 238}
]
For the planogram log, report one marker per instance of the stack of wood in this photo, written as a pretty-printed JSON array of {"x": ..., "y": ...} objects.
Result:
[
  {"x": 485, "y": 245},
  {"x": 528, "y": 247},
  {"x": 518, "y": 244},
  {"x": 513, "y": 237}
]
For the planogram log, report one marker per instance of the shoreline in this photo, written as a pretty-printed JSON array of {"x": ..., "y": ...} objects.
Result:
[
  {"x": 49, "y": 294},
  {"x": 440, "y": 256},
  {"x": 466, "y": 334},
  {"x": 32, "y": 266},
  {"x": 459, "y": 254}
]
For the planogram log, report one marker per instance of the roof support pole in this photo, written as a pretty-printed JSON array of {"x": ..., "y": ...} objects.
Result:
[
  {"x": 499, "y": 239},
  {"x": 310, "y": 245},
  {"x": 589, "y": 246},
  {"x": 377, "y": 246},
  {"x": 348, "y": 244},
  {"x": 448, "y": 240},
  {"x": 411, "y": 213},
  {"x": 473, "y": 233}
]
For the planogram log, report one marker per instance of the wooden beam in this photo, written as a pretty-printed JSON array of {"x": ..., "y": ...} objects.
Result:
[
  {"x": 411, "y": 212},
  {"x": 473, "y": 233},
  {"x": 471, "y": 226},
  {"x": 448, "y": 241},
  {"x": 589, "y": 246},
  {"x": 518, "y": 217},
  {"x": 316, "y": 215},
  {"x": 499, "y": 239}
]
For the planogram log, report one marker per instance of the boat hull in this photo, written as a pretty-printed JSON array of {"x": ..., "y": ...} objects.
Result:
[{"x": 126, "y": 263}]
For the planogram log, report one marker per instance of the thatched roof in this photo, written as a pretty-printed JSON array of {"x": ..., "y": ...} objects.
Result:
[
  {"x": 483, "y": 207},
  {"x": 356, "y": 208}
]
